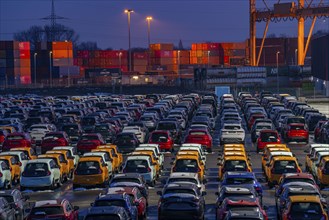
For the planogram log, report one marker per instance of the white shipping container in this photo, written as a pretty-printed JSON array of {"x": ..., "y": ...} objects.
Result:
[{"x": 73, "y": 70}]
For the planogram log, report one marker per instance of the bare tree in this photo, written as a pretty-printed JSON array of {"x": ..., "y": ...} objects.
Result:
[{"x": 88, "y": 45}]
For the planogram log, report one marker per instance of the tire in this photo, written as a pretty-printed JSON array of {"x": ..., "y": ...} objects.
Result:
[
  {"x": 152, "y": 184},
  {"x": 74, "y": 186},
  {"x": 53, "y": 185}
]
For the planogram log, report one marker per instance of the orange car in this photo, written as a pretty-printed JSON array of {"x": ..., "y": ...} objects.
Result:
[
  {"x": 15, "y": 168},
  {"x": 70, "y": 160},
  {"x": 61, "y": 162},
  {"x": 116, "y": 153}
]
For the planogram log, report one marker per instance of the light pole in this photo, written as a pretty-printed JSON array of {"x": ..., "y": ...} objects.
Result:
[
  {"x": 208, "y": 57},
  {"x": 149, "y": 19},
  {"x": 50, "y": 70},
  {"x": 35, "y": 69},
  {"x": 277, "y": 72},
  {"x": 128, "y": 12},
  {"x": 178, "y": 69},
  {"x": 120, "y": 54},
  {"x": 296, "y": 50},
  {"x": 68, "y": 63}
]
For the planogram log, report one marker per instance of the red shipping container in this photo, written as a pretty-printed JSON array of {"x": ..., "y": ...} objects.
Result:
[
  {"x": 141, "y": 55},
  {"x": 24, "y": 46},
  {"x": 62, "y": 45},
  {"x": 226, "y": 59},
  {"x": 24, "y": 54}
]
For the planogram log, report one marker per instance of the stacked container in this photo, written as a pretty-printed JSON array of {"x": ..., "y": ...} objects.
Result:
[
  {"x": 162, "y": 56},
  {"x": 102, "y": 59},
  {"x": 15, "y": 67},
  {"x": 181, "y": 58},
  {"x": 140, "y": 61},
  {"x": 199, "y": 54}
]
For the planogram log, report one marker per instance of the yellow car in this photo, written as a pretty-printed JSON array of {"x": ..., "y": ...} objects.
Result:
[
  {"x": 304, "y": 207},
  {"x": 114, "y": 160},
  {"x": 312, "y": 156},
  {"x": 278, "y": 166},
  {"x": 28, "y": 151},
  {"x": 70, "y": 160},
  {"x": 233, "y": 153},
  {"x": 61, "y": 162},
  {"x": 272, "y": 154},
  {"x": 233, "y": 163},
  {"x": 116, "y": 152},
  {"x": 189, "y": 163},
  {"x": 276, "y": 145},
  {"x": 323, "y": 173},
  {"x": 91, "y": 172},
  {"x": 192, "y": 152},
  {"x": 234, "y": 145},
  {"x": 15, "y": 168}
]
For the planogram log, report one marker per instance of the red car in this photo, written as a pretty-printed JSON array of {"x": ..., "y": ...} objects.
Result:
[
  {"x": 202, "y": 137},
  {"x": 163, "y": 139},
  {"x": 54, "y": 139},
  {"x": 297, "y": 132},
  {"x": 3, "y": 135},
  {"x": 317, "y": 130},
  {"x": 53, "y": 209},
  {"x": 236, "y": 204},
  {"x": 267, "y": 137},
  {"x": 134, "y": 193},
  {"x": 88, "y": 142},
  {"x": 17, "y": 139},
  {"x": 253, "y": 118}
]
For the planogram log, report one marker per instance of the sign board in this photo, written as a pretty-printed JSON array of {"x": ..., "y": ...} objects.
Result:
[{"x": 220, "y": 90}]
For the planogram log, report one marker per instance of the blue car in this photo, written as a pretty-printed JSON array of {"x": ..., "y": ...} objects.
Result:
[
  {"x": 242, "y": 178},
  {"x": 121, "y": 200}
]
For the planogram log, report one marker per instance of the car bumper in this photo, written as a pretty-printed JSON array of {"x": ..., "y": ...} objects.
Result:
[
  {"x": 232, "y": 140},
  {"x": 36, "y": 182},
  {"x": 180, "y": 214}
]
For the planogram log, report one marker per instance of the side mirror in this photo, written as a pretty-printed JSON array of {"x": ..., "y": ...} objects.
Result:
[
  {"x": 250, "y": 164},
  {"x": 219, "y": 164},
  {"x": 76, "y": 208},
  {"x": 159, "y": 193},
  {"x": 324, "y": 196}
]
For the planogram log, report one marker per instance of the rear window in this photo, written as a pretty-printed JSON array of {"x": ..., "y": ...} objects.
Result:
[
  {"x": 197, "y": 133},
  {"x": 121, "y": 180},
  {"x": 186, "y": 165},
  {"x": 88, "y": 168},
  {"x": 89, "y": 138},
  {"x": 102, "y": 217},
  {"x": 306, "y": 207},
  {"x": 190, "y": 180},
  {"x": 9, "y": 198},
  {"x": 136, "y": 166},
  {"x": 239, "y": 180},
  {"x": 285, "y": 166},
  {"x": 159, "y": 137},
  {"x": 36, "y": 170},
  {"x": 16, "y": 137},
  {"x": 232, "y": 127},
  {"x": 53, "y": 136},
  {"x": 166, "y": 126},
  {"x": 235, "y": 165},
  {"x": 175, "y": 191},
  {"x": 296, "y": 120},
  {"x": 120, "y": 203},
  {"x": 49, "y": 210},
  {"x": 297, "y": 127},
  {"x": 269, "y": 137}
]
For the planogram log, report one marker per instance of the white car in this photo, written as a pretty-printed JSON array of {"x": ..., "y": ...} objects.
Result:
[
  {"x": 5, "y": 179},
  {"x": 142, "y": 165},
  {"x": 189, "y": 178},
  {"x": 201, "y": 152},
  {"x": 20, "y": 156},
  {"x": 232, "y": 133},
  {"x": 105, "y": 157},
  {"x": 39, "y": 131},
  {"x": 40, "y": 173},
  {"x": 140, "y": 134}
]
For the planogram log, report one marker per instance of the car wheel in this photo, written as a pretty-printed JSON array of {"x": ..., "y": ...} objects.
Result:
[
  {"x": 53, "y": 185},
  {"x": 74, "y": 186},
  {"x": 152, "y": 184}
]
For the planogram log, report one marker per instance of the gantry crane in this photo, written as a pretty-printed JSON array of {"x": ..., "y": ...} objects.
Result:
[{"x": 285, "y": 11}]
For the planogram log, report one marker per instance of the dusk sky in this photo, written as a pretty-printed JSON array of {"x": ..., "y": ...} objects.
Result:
[{"x": 104, "y": 21}]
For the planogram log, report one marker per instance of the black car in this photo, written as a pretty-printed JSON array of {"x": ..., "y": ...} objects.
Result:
[
  {"x": 181, "y": 201},
  {"x": 88, "y": 123},
  {"x": 131, "y": 180},
  {"x": 73, "y": 130},
  {"x": 235, "y": 191},
  {"x": 106, "y": 130},
  {"x": 17, "y": 200},
  {"x": 107, "y": 212},
  {"x": 126, "y": 142},
  {"x": 7, "y": 211}
]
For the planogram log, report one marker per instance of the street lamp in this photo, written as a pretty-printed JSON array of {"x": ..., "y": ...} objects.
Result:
[
  {"x": 50, "y": 70},
  {"x": 120, "y": 54},
  {"x": 68, "y": 63},
  {"x": 296, "y": 62},
  {"x": 149, "y": 19},
  {"x": 35, "y": 69},
  {"x": 178, "y": 69},
  {"x": 208, "y": 57},
  {"x": 277, "y": 72},
  {"x": 128, "y": 11}
]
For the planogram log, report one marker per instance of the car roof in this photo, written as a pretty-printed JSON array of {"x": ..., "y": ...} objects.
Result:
[
  {"x": 105, "y": 210},
  {"x": 183, "y": 175},
  {"x": 83, "y": 159},
  {"x": 41, "y": 160},
  {"x": 128, "y": 175},
  {"x": 239, "y": 174},
  {"x": 304, "y": 198},
  {"x": 46, "y": 202},
  {"x": 297, "y": 175}
]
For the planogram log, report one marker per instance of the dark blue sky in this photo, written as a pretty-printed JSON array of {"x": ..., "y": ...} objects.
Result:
[{"x": 105, "y": 22}]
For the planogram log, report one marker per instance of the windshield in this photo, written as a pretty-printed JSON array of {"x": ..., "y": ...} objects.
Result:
[
  {"x": 166, "y": 126},
  {"x": 120, "y": 203},
  {"x": 235, "y": 165},
  {"x": 190, "y": 180},
  {"x": 240, "y": 180},
  {"x": 159, "y": 137},
  {"x": 186, "y": 165}
]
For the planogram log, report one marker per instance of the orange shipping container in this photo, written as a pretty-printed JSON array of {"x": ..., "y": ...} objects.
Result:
[
  {"x": 25, "y": 63},
  {"x": 193, "y": 46},
  {"x": 62, "y": 45},
  {"x": 24, "y": 54},
  {"x": 62, "y": 54},
  {"x": 24, "y": 46}
]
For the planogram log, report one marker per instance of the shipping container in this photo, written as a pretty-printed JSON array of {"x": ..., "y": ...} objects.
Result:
[
  {"x": 320, "y": 57},
  {"x": 62, "y": 54},
  {"x": 24, "y": 63},
  {"x": 3, "y": 63},
  {"x": 71, "y": 70},
  {"x": 2, "y": 54},
  {"x": 62, "y": 45},
  {"x": 83, "y": 54},
  {"x": 25, "y": 54},
  {"x": 162, "y": 46},
  {"x": 24, "y": 46},
  {"x": 140, "y": 55},
  {"x": 62, "y": 62}
]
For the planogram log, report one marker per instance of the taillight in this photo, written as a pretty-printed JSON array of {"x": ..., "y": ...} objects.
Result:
[
  {"x": 323, "y": 171},
  {"x": 75, "y": 172},
  {"x": 149, "y": 169},
  {"x": 100, "y": 171},
  {"x": 299, "y": 170},
  {"x": 20, "y": 164},
  {"x": 1, "y": 174},
  {"x": 48, "y": 173},
  {"x": 174, "y": 169},
  {"x": 199, "y": 170},
  {"x": 272, "y": 170}
]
